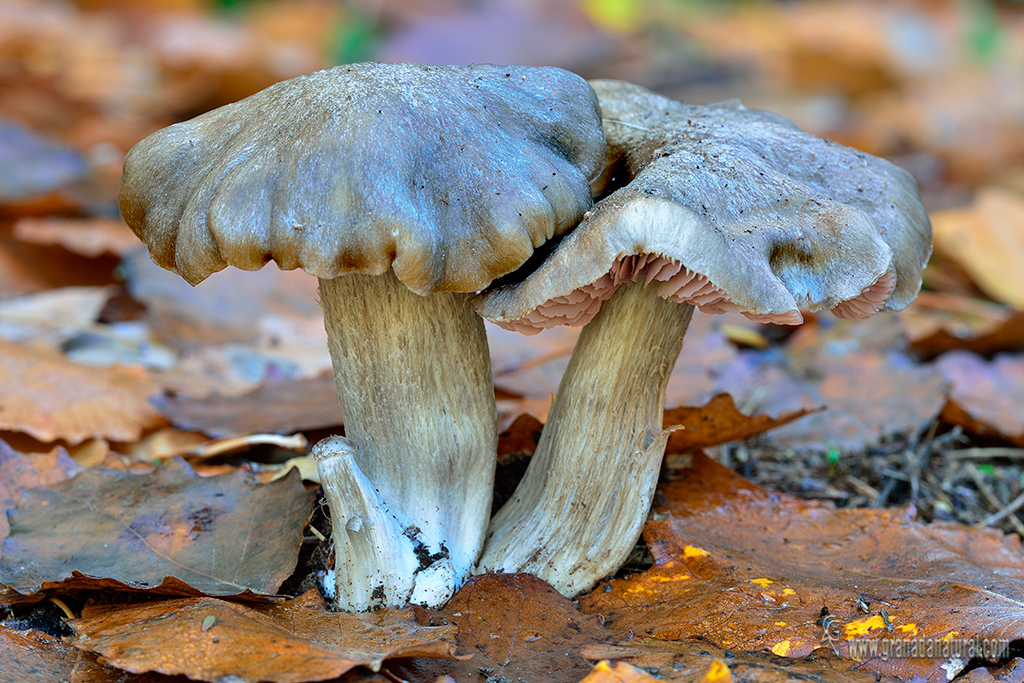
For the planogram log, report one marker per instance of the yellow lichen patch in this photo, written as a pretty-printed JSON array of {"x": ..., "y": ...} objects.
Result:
[
  {"x": 718, "y": 672},
  {"x": 862, "y": 626},
  {"x": 784, "y": 647},
  {"x": 691, "y": 551},
  {"x": 949, "y": 636},
  {"x": 788, "y": 591},
  {"x": 781, "y": 623},
  {"x": 667, "y": 578},
  {"x": 908, "y": 628},
  {"x": 761, "y": 582}
]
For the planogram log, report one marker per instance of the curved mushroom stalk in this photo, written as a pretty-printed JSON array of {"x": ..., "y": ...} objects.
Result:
[
  {"x": 574, "y": 518},
  {"x": 374, "y": 556},
  {"x": 414, "y": 379}
]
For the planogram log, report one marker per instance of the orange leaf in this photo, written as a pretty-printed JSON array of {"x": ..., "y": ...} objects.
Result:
[
  {"x": 749, "y": 569},
  {"x": 49, "y": 398},
  {"x": 718, "y": 422},
  {"x": 213, "y": 640}
]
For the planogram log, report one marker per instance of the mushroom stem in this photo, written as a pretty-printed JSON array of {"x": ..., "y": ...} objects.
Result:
[
  {"x": 414, "y": 379},
  {"x": 364, "y": 530},
  {"x": 580, "y": 508}
]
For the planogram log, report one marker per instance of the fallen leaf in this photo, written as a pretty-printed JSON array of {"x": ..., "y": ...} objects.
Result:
[
  {"x": 517, "y": 627},
  {"x": 213, "y": 640},
  {"x": 221, "y": 535},
  {"x": 522, "y": 435},
  {"x": 34, "y": 657},
  {"x": 604, "y": 672},
  {"x": 869, "y": 396},
  {"x": 31, "y": 166},
  {"x": 693, "y": 660},
  {"x": 987, "y": 239},
  {"x": 282, "y": 407},
  {"x": 938, "y": 323},
  {"x": 750, "y": 569},
  {"x": 85, "y": 236},
  {"x": 1012, "y": 672},
  {"x": 20, "y": 472},
  {"x": 29, "y": 268},
  {"x": 987, "y": 397},
  {"x": 530, "y": 366},
  {"x": 718, "y": 422},
  {"x": 226, "y": 307},
  {"x": 49, "y": 398}
]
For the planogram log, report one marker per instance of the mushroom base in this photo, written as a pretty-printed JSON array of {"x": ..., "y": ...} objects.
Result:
[
  {"x": 414, "y": 380},
  {"x": 580, "y": 508}
]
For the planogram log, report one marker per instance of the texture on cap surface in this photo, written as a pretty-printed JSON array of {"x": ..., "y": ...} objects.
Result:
[
  {"x": 450, "y": 175},
  {"x": 777, "y": 218}
]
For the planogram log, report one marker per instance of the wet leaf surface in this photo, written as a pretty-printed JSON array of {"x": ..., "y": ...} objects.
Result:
[
  {"x": 752, "y": 570},
  {"x": 49, "y": 398},
  {"x": 699, "y": 661},
  {"x": 515, "y": 626},
  {"x": 987, "y": 397},
  {"x": 292, "y": 642},
  {"x": 34, "y": 657},
  {"x": 20, "y": 472},
  {"x": 221, "y": 535}
]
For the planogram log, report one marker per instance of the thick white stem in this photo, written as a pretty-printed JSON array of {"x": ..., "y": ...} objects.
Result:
[
  {"x": 414, "y": 380},
  {"x": 582, "y": 503},
  {"x": 364, "y": 531}
]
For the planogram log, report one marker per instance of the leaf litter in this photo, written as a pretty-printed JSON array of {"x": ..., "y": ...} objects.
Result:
[
  {"x": 753, "y": 570},
  {"x": 90, "y": 100},
  {"x": 221, "y": 535}
]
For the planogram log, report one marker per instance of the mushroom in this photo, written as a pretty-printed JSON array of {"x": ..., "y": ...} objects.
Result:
[
  {"x": 403, "y": 188},
  {"x": 726, "y": 209}
]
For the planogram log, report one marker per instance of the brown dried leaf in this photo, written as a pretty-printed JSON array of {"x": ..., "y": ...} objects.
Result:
[
  {"x": 86, "y": 236},
  {"x": 750, "y": 569},
  {"x": 213, "y": 640},
  {"x": 522, "y": 435},
  {"x": 1013, "y": 672},
  {"x": 28, "y": 268},
  {"x": 49, "y": 398},
  {"x": 937, "y": 323},
  {"x": 34, "y": 657},
  {"x": 694, "y": 661},
  {"x": 868, "y": 395},
  {"x": 987, "y": 397},
  {"x": 31, "y": 166},
  {"x": 987, "y": 239},
  {"x": 718, "y": 422},
  {"x": 603, "y": 672},
  {"x": 20, "y": 472},
  {"x": 516, "y": 626},
  {"x": 226, "y": 307},
  {"x": 221, "y": 535},
  {"x": 280, "y": 407}
]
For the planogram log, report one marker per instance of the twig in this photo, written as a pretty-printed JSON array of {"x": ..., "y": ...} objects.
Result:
[
  {"x": 990, "y": 497},
  {"x": 986, "y": 453},
  {"x": 1008, "y": 512},
  {"x": 862, "y": 486}
]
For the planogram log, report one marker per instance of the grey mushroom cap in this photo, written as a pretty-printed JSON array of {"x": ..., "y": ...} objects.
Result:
[
  {"x": 777, "y": 218},
  {"x": 451, "y": 175}
]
